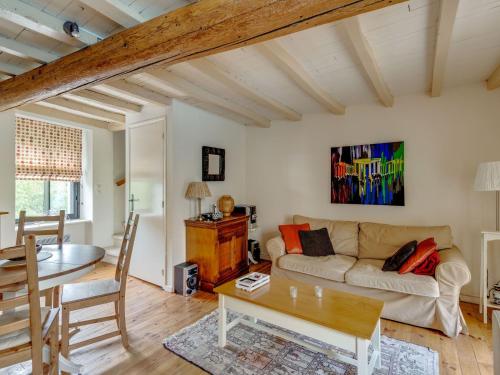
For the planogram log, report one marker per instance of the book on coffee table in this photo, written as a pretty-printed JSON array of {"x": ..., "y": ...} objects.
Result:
[{"x": 252, "y": 281}]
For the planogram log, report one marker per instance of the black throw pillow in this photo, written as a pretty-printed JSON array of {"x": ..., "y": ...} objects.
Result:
[
  {"x": 316, "y": 243},
  {"x": 396, "y": 261}
]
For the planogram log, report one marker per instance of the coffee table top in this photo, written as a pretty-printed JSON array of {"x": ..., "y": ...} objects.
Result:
[{"x": 343, "y": 312}]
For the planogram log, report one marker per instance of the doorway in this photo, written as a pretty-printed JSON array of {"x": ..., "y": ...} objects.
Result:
[{"x": 146, "y": 196}]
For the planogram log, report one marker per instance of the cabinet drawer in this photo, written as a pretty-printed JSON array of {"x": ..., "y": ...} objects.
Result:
[{"x": 227, "y": 233}]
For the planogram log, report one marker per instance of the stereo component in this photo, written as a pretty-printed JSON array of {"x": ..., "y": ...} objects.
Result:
[{"x": 186, "y": 278}]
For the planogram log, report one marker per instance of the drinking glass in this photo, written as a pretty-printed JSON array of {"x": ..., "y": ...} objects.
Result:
[{"x": 318, "y": 291}]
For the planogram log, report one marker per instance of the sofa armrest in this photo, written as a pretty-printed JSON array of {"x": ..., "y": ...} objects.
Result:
[
  {"x": 276, "y": 248},
  {"x": 452, "y": 273}
]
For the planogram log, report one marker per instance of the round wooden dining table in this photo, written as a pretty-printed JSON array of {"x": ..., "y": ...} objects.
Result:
[{"x": 66, "y": 264}]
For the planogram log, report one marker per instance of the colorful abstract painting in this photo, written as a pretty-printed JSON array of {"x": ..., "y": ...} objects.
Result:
[{"x": 368, "y": 174}]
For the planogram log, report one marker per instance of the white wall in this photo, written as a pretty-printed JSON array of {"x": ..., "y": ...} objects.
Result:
[
  {"x": 7, "y": 176},
  {"x": 98, "y": 229},
  {"x": 103, "y": 188},
  {"x": 188, "y": 129},
  {"x": 288, "y": 165}
]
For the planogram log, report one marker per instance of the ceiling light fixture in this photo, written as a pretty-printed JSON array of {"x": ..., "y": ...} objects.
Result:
[{"x": 71, "y": 28}]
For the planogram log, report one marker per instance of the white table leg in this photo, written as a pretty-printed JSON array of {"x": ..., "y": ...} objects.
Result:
[
  {"x": 376, "y": 346},
  {"x": 485, "y": 281},
  {"x": 481, "y": 287},
  {"x": 362, "y": 355},
  {"x": 222, "y": 322}
]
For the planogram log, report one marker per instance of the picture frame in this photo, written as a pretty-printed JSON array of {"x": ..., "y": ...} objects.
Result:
[
  {"x": 368, "y": 174},
  {"x": 213, "y": 164}
]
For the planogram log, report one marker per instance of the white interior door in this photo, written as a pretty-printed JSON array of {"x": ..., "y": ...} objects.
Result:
[{"x": 146, "y": 197}]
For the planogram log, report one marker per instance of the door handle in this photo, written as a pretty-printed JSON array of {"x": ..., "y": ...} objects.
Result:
[{"x": 132, "y": 200}]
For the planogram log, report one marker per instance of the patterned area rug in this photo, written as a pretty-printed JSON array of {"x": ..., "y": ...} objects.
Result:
[{"x": 250, "y": 351}]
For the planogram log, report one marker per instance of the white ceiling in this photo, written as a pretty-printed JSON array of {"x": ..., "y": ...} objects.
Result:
[{"x": 402, "y": 37}]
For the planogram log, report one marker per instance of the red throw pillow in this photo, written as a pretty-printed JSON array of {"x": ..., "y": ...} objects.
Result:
[
  {"x": 290, "y": 234},
  {"x": 428, "y": 267},
  {"x": 424, "y": 249}
]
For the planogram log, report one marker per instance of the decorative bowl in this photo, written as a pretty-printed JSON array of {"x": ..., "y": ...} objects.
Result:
[{"x": 38, "y": 249}]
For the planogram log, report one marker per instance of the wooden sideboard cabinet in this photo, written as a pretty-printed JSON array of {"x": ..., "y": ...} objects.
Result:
[{"x": 219, "y": 248}]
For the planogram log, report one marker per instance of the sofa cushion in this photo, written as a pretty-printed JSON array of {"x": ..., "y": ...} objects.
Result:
[
  {"x": 395, "y": 262},
  {"x": 316, "y": 243},
  {"x": 424, "y": 250},
  {"x": 368, "y": 273},
  {"x": 344, "y": 234},
  {"x": 380, "y": 241},
  {"x": 331, "y": 267},
  {"x": 290, "y": 234}
]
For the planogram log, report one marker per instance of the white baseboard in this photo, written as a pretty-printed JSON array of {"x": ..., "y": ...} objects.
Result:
[
  {"x": 169, "y": 288},
  {"x": 469, "y": 299}
]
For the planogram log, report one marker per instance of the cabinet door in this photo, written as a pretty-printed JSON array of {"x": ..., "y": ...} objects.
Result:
[
  {"x": 232, "y": 249},
  {"x": 226, "y": 258},
  {"x": 240, "y": 253}
]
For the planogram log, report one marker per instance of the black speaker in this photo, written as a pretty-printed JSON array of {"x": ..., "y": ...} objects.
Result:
[
  {"x": 254, "y": 251},
  {"x": 186, "y": 278}
]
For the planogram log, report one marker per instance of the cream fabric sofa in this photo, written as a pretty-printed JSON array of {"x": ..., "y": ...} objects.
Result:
[{"x": 356, "y": 267}]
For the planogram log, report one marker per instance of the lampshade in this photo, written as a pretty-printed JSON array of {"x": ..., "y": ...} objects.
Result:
[
  {"x": 197, "y": 190},
  {"x": 488, "y": 177}
]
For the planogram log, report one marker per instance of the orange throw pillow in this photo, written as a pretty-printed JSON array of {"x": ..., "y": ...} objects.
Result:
[
  {"x": 290, "y": 234},
  {"x": 424, "y": 249}
]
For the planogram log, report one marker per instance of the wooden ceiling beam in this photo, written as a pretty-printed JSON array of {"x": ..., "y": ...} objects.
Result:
[
  {"x": 284, "y": 61},
  {"x": 446, "y": 21},
  {"x": 493, "y": 81},
  {"x": 83, "y": 110},
  {"x": 153, "y": 83},
  {"x": 201, "y": 29},
  {"x": 10, "y": 69},
  {"x": 367, "y": 58},
  {"x": 31, "y": 18},
  {"x": 116, "y": 11},
  {"x": 140, "y": 92},
  {"x": 223, "y": 76},
  {"x": 99, "y": 99},
  {"x": 15, "y": 48},
  {"x": 4, "y": 76},
  {"x": 40, "y": 110},
  {"x": 199, "y": 94}
]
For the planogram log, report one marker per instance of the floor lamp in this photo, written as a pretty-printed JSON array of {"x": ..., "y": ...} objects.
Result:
[{"x": 488, "y": 179}]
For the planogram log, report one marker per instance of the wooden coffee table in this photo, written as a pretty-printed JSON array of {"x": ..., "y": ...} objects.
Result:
[{"x": 341, "y": 319}]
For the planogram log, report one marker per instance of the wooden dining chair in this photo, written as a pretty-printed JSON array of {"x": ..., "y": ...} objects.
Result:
[
  {"x": 52, "y": 295},
  {"x": 58, "y": 231},
  {"x": 24, "y": 332},
  {"x": 93, "y": 293}
]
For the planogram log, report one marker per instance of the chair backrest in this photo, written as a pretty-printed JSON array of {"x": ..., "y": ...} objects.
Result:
[
  {"x": 59, "y": 232},
  {"x": 27, "y": 274},
  {"x": 126, "y": 251}
]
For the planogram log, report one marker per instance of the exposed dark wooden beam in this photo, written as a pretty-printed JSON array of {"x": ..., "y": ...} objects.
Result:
[{"x": 200, "y": 29}]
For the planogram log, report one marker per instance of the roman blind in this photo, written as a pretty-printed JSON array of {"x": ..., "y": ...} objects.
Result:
[{"x": 46, "y": 151}]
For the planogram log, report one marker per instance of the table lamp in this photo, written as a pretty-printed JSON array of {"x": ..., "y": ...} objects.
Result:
[
  {"x": 198, "y": 190},
  {"x": 488, "y": 179}
]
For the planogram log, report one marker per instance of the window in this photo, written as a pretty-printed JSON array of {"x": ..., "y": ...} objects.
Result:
[
  {"x": 40, "y": 198},
  {"x": 48, "y": 168}
]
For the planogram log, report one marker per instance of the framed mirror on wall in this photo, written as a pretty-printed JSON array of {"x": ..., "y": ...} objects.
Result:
[{"x": 213, "y": 163}]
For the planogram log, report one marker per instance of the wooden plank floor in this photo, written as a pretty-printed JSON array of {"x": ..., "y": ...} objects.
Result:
[{"x": 153, "y": 314}]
